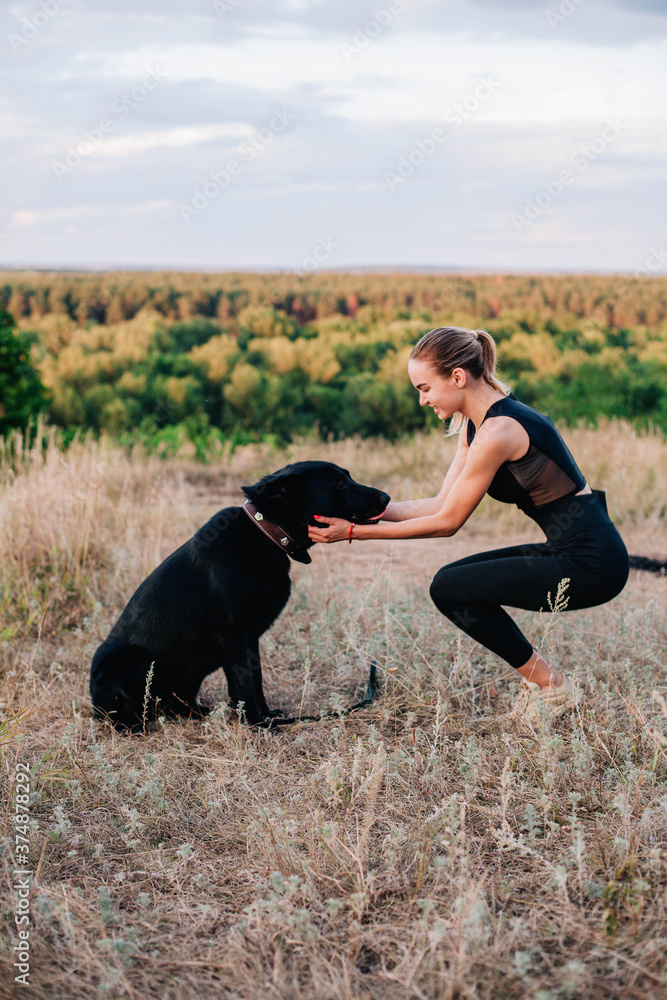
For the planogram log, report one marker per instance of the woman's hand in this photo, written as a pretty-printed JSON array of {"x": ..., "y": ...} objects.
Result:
[{"x": 333, "y": 529}]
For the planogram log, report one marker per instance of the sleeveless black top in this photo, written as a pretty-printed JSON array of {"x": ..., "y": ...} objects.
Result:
[{"x": 547, "y": 471}]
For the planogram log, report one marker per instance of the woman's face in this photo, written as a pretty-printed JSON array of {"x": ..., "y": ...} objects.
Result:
[{"x": 442, "y": 394}]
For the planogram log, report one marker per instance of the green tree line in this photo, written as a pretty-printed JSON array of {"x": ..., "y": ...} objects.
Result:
[{"x": 163, "y": 357}]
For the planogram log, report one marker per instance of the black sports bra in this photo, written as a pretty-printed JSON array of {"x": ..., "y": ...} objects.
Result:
[{"x": 547, "y": 471}]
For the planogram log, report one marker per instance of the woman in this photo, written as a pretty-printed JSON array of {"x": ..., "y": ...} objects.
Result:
[{"x": 514, "y": 453}]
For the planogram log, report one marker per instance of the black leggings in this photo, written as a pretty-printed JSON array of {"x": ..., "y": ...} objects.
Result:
[{"x": 582, "y": 545}]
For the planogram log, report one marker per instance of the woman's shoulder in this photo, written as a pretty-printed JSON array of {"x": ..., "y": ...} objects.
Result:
[
  {"x": 508, "y": 406},
  {"x": 504, "y": 427},
  {"x": 512, "y": 407},
  {"x": 502, "y": 439}
]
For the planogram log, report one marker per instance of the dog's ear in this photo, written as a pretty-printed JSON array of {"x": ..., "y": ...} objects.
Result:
[
  {"x": 264, "y": 491},
  {"x": 273, "y": 487},
  {"x": 301, "y": 556}
]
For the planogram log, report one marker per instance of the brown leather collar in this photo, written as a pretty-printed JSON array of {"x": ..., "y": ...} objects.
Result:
[{"x": 276, "y": 534}]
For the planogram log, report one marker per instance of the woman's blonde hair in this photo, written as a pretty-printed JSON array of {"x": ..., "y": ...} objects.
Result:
[{"x": 451, "y": 347}]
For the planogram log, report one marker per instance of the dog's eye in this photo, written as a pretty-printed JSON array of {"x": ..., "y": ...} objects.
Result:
[{"x": 341, "y": 485}]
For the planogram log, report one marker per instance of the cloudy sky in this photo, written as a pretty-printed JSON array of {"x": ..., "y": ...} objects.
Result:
[{"x": 279, "y": 133}]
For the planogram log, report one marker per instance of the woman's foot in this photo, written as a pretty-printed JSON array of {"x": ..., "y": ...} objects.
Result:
[
  {"x": 537, "y": 671},
  {"x": 536, "y": 703}
]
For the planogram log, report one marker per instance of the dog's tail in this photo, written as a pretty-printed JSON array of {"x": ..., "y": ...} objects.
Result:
[{"x": 649, "y": 565}]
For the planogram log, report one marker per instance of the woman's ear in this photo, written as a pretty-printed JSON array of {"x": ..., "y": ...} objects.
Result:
[{"x": 459, "y": 375}]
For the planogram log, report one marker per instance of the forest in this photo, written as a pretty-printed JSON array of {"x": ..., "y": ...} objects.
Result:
[{"x": 171, "y": 357}]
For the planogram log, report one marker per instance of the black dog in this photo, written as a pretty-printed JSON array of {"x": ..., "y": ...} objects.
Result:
[{"x": 208, "y": 603}]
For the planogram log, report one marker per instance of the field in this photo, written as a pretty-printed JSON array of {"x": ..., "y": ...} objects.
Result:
[{"x": 429, "y": 846}]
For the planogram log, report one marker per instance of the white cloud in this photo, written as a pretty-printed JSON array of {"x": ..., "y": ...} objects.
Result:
[
  {"x": 352, "y": 121},
  {"x": 182, "y": 138},
  {"x": 46, "y": 216},
  {"x": 414, "y": 77}
]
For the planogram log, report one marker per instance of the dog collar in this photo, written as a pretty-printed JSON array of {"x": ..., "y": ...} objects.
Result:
[{"x": 276, "y": 534}]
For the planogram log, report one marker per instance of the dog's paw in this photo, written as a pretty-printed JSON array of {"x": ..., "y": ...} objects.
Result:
[
  {"x": 273, "y": 722},
  {"x": 264, "y": 723}
]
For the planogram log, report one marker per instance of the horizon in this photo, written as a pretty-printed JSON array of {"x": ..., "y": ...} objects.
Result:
[{"x": 384, "y": 269}]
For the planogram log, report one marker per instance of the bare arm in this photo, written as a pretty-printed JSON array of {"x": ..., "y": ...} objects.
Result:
[
  {"x": 407, "y": 509},
  {"x": 494, "y": 444}
]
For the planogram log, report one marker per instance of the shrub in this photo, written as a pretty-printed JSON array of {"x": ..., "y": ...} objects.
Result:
[{"x": 22, "y": 394}]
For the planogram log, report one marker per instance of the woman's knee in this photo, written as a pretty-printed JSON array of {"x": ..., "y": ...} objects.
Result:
[{"x": 442, "y": 590}]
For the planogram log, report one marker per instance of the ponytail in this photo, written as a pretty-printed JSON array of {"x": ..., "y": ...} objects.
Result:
[
  {"x": 489, "y": 361},
  {"x": 450, "y": 347}
]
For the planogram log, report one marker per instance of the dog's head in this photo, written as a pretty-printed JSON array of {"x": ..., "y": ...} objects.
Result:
[{"x": 293, "y": 495}]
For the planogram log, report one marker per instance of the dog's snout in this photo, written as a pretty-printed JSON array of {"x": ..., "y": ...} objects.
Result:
[{"x": 372, "y": 503}]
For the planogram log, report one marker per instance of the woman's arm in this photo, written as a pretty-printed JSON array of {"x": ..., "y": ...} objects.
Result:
[
  {"x": 407, "y": 509},
  {"x": 494, "y": 444}
]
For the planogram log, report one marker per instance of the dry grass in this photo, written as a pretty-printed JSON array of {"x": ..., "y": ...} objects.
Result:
[{"x": 427, "y": 847}]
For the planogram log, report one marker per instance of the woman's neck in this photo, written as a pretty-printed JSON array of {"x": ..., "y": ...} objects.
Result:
[{"x": 479, "y": 401}]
